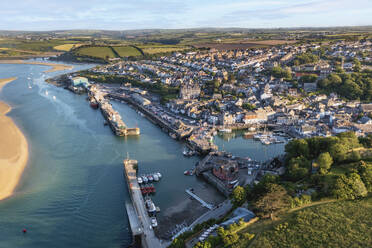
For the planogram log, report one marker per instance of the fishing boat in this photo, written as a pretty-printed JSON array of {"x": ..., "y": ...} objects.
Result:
[{"x": 93, "y": 103}]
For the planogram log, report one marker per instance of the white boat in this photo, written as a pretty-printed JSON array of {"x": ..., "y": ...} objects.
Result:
[
  {"x": 225, "y": 130},
  {"x": 154, "y": 222},
  {"x": 46, "y": 93},
  {"x": 159, "y": 175},
  {"x": 139, "y": 180},
  {"x": 150, "y": 178},
  {"x": 150, "y": 205},
  {"x": 54, "y": 98},
  {"x": 144, "y": 179},
  {"x": 156, "y": 178}
]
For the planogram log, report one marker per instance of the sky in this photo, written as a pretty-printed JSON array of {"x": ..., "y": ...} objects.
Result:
[{"x": 173, "y": 14}]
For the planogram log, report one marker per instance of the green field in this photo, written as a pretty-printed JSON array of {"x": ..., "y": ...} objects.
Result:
[
  {"x": 334, "y": 224},
  {"x": 98, "y": 52},
  {"x": 155, "y": 49},
  {"x": 126, "y": 51},
  {"x": 66, "y": 47}
]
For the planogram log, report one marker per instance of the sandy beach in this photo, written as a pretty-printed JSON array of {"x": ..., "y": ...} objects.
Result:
[
  {"x": 55, "y": 67},
  {"x": 13, "y": 150}
]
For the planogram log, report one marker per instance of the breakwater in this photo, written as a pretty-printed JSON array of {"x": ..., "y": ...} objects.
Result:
[{"x": 112, "y": 117}]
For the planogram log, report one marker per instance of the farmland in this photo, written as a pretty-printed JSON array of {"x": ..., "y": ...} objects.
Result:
[
  {"x": 242, "y": 44},
  {"x": 156, "y": 48},
  {"x": 127, "y": 51},
  {"x": 66, "y": 47},
  {"x": 96, "y": 51}
]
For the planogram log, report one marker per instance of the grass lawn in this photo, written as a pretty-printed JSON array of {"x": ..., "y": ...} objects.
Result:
[
  {"x": 127, "y": 51},
  {"x": 332, "y": 224}
]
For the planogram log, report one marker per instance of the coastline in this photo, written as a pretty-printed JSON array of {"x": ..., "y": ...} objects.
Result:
[
  {"x": 13, "y": 150},
  {"x": 55, "y": 67}
]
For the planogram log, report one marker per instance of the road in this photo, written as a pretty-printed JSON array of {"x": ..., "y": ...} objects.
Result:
[{"x": 215, "y": 213}]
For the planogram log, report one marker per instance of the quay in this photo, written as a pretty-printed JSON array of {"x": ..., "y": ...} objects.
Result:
[
  {"x": 180, "y": 133},
  {"x": 112, "y": 117},
  {"x": 143, "y": 233},
  {"x": 202, "y": 202}
]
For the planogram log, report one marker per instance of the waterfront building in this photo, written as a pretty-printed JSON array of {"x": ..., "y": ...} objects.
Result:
[
  {"x": 226, "y": 170},
  {"x": 80, "y": 82}
]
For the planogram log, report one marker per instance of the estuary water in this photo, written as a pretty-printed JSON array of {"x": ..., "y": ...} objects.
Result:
[{"x": 72, "y": 192}]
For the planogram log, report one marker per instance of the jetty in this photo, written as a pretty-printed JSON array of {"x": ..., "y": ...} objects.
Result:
[
  {"x": 140, "y": 223},
  {"x": 202, "y": 202},
  {"x": 112, "y": 117},
  {"x": 179, "y": 131}
]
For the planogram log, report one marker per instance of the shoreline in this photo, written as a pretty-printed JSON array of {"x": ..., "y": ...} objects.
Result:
[
  {"x": 55, "y": 67},
  {"x": 13, "y": 150}
]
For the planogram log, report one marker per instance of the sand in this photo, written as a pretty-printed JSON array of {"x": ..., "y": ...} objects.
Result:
[
  {"x": 55, "y": 67},
  {"x": 13, "y": 150}
]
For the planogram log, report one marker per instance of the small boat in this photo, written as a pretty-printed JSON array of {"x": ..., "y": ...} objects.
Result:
[
  {"x": 150, "y": 178},
  {"x": 188, "y": 172},
  {"x": 144, "y": 179},
  {"x": 159, "y": 175},
  {"x": 156, "y": 177},
  {"x": 139, "y": 180},
  {"x": 54, "y": 98},
  {"x": 46, "y": 93},
  {"x": 150, "y": 205},
  {"x": 225, "y": 130},
  {"x": 94, "y": 105},
  {"x": 154, "y": 222},
  {"x": 105, "y": 123}
]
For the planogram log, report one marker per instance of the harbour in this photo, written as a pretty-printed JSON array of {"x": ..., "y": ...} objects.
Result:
[{"x": 87, "y": 150}]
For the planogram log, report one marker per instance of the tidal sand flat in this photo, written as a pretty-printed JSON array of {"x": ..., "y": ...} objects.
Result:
[
  {"x": 55, "y": 67},
  {"x": 13, "y": 150}
]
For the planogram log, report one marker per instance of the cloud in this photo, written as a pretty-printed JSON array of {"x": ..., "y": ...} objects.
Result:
[{"x": 139, "y": 14}]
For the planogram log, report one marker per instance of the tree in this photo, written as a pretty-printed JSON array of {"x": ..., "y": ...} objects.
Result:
[
  {"x": 310, "y": 78},
  {"x": 205, "y": 244},
  {"x": 239, "y": 196},
  {"x": 324, "y": 161},
  {"x": 298, "y": 168},
  {"x": 365, "y": 172},
  {"x": 338, "y": 152},
  {"x": 273, "y": 201},
  {"x": 296, "y": 148},
  {"x": 349, "y": 187},
  {"x": 357, "y": 65}
]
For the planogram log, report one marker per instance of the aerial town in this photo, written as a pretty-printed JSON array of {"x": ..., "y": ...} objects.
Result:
[
  {"x": 224, "y": 90},
  {"x": 273, "y": 94}
]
